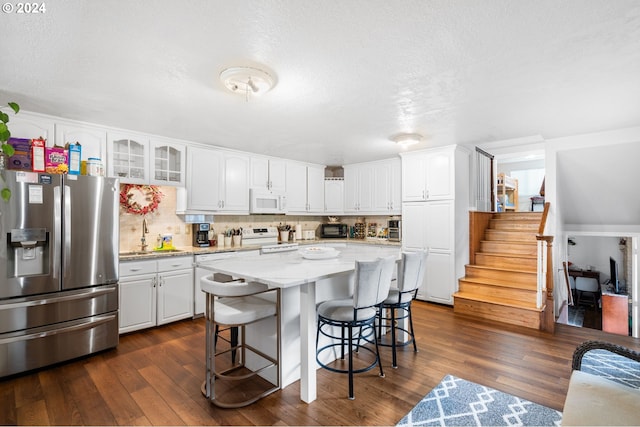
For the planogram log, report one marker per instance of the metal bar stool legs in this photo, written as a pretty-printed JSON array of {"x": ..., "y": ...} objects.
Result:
[
  {"x": 410, "y": 277},
  {"x": 236, "y": 305}
]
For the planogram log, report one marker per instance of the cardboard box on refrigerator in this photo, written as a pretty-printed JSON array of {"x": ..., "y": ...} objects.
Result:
[
  {"x": 55, "y": 160},
  {"x": 21, "y": 159}
]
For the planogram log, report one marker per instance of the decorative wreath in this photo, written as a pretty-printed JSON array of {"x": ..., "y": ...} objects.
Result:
[{"x": 133, "y": 196}]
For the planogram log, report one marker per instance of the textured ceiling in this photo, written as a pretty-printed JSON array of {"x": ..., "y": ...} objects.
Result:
[{"x": 351, "y": 73}]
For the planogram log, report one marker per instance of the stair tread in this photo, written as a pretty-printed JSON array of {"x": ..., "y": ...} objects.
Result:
[
  {"x": 507, "y": 255},
  {"x": 511, "y": 270},
  {"x": 496, "y": 282},
  {"x": 511, "y": 242},
  {"x": 498, "y": 301}
]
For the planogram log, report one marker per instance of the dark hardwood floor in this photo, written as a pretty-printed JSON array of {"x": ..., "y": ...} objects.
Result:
[{"x": 153, "y": 377}]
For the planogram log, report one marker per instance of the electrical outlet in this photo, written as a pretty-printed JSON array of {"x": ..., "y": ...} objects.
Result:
[
  {"x": 176, "y": 230},
  {"x": 187, "y": 229}
]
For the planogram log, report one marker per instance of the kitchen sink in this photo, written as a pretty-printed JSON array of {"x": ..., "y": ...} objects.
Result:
[
  {"x": 129, "y": 253},
  {"x": 152, "y": 252}
]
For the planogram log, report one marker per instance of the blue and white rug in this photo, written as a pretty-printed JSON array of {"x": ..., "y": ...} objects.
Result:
[
  {"x": 458, "y": 402},
  {"x": 612, "y": 367}
]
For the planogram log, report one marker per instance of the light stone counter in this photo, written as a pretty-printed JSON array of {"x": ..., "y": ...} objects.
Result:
[
  {"x": 303, "y": 284},
  {"x": 190, "y": 250}
]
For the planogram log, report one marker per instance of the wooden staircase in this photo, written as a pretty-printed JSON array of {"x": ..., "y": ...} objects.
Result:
[{"x": 500, "y": 283}]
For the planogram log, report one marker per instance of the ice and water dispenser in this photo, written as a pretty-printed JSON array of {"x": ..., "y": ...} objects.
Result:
[{"x": 27, "y": 252}]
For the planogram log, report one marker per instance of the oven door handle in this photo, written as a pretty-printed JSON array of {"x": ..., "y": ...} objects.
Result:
[{"x": 92, "y": 323}]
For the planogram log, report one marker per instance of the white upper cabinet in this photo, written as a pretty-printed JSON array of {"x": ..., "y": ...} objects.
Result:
[
  {"x": 128, "y": 157},
  {"x": 386, "y": 187},
  {"x": 358, "y": 184},
  {"x": 217, "y": 180},
  {"x": 296, "y": 187},
  {"x": 268, "y": 174},
  {"x": 139, "y": 159},
  {"x": 373, "y": 187},
  {"x": 334, "y": 195},
  {"x": 92, "y": 139},
  {"x": 168, "y": 160},
  {"x": 203, "y": 186},
  {"x": 31, "y": 126},
  {"x": 428, "y": 175},
  {"x": 315, "y": 188},
  {"x": 305, "y": 188},
  {"x": 235, "y": 183}
]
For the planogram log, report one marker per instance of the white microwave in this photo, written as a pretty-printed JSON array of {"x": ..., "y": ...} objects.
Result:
[{"x": 267, "y": 202}]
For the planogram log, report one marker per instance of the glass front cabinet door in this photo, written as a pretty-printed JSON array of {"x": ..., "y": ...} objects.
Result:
[
  {"x": 167, "y": 162},
  {"x": 128, "y": 158}
]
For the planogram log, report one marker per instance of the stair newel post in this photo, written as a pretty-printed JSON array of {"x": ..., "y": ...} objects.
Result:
[{"x": 545, "y": 289}]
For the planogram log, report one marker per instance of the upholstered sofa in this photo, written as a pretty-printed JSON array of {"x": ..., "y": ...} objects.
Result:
[{"x": 595, "y": 400}]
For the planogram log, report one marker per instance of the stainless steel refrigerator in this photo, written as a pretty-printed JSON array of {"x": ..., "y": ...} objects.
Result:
[{"x": 58, "y": 269}]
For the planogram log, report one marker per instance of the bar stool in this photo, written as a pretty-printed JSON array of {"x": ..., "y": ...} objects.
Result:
[
  {"x": 410, "y": 277},
  {"x": 372, "y": 283},
  {"x": 237, "y": 304}
]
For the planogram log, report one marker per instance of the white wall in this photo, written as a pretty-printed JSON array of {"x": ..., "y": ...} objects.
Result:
[{"x": 595, "y": 251}]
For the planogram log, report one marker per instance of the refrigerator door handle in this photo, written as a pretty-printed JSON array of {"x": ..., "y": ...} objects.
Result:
[
  {"x": 90, "y": 293},
  {"x": 57, "y": 232},
  {"x": 92, "y": 323},
  {"x": 67, "y": 228}
]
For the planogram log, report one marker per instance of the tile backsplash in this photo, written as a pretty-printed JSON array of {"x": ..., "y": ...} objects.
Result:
[{"x": 165, "y": 221}]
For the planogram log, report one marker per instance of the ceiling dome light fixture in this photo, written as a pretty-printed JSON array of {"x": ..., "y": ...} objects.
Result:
[
  {"x": 407, "y": 139},
  {"x": 247, "y": 80}
]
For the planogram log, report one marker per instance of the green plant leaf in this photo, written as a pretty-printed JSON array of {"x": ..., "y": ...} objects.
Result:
[
  {"x": 4, "y": 133},
  {"x": 15, "y": 107},
  {"x": 4, "y": 117},
  {"x": 5, "y": 193},
  {"x": 8, "y": 149}
]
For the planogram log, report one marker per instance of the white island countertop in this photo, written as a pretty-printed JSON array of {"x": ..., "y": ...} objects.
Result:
[{"x": 288, "y": 271}]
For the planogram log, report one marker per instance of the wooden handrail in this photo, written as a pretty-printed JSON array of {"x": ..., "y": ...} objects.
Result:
[{"x": 543, "y": 220}]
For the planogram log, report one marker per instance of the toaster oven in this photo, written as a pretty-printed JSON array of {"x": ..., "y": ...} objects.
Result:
[{"x": 395, "y": 230}]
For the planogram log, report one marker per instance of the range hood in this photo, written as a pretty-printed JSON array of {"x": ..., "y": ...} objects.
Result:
[{"x": 190, "y": 216}]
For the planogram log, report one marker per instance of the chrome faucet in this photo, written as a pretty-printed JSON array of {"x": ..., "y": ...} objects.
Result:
[{"x": 143, "y": 239}]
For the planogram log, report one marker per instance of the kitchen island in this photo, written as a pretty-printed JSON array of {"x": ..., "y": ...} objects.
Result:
[{"x": 303, "y": 283}]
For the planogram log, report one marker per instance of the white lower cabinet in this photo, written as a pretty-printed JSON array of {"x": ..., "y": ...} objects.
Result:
[
  {"x": 429, "y": 225},
  {"x": 155, "y": 292},
  {"x": 137, "y": 302}
]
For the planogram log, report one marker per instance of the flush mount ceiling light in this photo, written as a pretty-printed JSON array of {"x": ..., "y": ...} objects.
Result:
[
  {"x": 247, "y": 81},
  {"x": 407, "y": 139}
]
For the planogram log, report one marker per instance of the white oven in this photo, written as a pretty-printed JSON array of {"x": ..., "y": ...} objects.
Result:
[{"x": 267, "y": 202}]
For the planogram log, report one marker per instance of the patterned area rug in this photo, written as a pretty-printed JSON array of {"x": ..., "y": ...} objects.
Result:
[
  {"x": 458, "y": 402},
  {"x": 612, "y": 367}
]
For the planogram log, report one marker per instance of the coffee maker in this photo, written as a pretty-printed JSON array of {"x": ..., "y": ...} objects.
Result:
[{"x": 201, "y": 235}]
